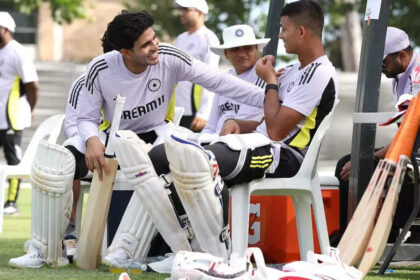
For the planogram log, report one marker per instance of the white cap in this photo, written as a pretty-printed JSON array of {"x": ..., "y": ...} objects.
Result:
[
  {"x": 7, "y": 21},
  {"x": 237, "y": 36},
  {"x": 396, "y": 40},
  {"x": 200, "y": 5}
]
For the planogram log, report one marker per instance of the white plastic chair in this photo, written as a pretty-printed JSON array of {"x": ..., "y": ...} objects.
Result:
[
  {"x": 51, "y": 128},
  {"x": 305, "y": 190},
  {"x": 179, "y": 111}
]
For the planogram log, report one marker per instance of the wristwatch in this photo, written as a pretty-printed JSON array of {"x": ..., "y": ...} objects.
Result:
[{"x": 271, "y": 86}]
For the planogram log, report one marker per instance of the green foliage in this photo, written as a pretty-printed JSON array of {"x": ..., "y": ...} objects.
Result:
[
  {"x": 61, "y": 10},
  {"x": 222, "y": 13}
]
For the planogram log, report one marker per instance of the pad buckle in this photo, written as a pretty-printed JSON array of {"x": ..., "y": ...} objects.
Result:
[
  {"x": 186, "y": 226},
  {"x": 167, "y": 179}
]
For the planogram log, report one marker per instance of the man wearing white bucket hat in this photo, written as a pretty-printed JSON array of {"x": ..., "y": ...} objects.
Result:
[
  {"x": 18, "y": 96},
  {"x": 399, "y": 61},
  {"x": 240, "y": 47},
  {"x": 196, "y": 41}
]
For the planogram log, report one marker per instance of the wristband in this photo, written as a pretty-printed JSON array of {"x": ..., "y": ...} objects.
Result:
[
  {"x": 233, "y": 119},
  {"x": 271, "y": 86}
]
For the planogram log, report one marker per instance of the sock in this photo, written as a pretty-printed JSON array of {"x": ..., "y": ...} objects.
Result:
[{"x": 71, "y": 229}]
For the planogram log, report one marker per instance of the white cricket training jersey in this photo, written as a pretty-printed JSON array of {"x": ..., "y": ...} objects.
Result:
[
  {"x": 70, "y": 122},
  {"x": 16, "y": 69},
  {"x": 402, "y": 83},
  {"x": 148, "y": 93},
  {"x": 225, "y": 108},
  {"x": 197, "y": 45},
  {"x": 313, "y": 92}
]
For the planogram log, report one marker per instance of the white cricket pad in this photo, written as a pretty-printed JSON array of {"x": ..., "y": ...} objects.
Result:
[
  {"x": 164, "y": 131},
  {"x": 328, "y": 266},
  {"x": 203, "y": 266},
  {"x": 150, "y": 189},
  {"x": 135, "y": 232},
  {"x": 199, "y": 186},
  {"x": 51, "y": 178}
]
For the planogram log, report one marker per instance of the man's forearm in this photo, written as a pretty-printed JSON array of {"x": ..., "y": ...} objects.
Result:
[
  {"x": 31, "y": 90},
  {"x": 247, "y": 126}
]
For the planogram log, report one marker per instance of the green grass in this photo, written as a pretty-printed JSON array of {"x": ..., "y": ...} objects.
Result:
[{"x": 16, "y": 230}]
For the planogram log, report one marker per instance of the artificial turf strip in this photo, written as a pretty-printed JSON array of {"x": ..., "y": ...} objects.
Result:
[{"x": 16, "y": 230}]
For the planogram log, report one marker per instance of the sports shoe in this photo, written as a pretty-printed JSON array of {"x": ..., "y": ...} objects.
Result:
[
  {"x": 163, "y": 266},
  {"x": 33, "y": 259},
  {"x": 70, "y": 246},
  {"x": 10, "y": 208},
  {"x": 117, "y": 258}
]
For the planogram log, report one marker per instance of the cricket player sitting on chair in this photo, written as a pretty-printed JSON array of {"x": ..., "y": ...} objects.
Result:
[
  {"x": 241, "y": 49},
  {"x": 294, "y": 106},
  {"x": 145, "y": 71}
]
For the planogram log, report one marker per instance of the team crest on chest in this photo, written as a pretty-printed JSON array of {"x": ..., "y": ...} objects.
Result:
[{"x": 154, "y": 84}]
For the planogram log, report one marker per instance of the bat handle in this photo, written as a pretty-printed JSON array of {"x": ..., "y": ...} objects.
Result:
[{"x": 115, "y": 124}]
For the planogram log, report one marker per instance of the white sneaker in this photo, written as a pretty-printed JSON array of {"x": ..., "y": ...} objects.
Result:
[
  {"x": 33, "y": 259},
  {"x": 163, "y": 266},
  {"x": 117, "y": 258}
]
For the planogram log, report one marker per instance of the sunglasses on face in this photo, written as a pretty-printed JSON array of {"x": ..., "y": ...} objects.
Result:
[{"x": 388, "y": 58}]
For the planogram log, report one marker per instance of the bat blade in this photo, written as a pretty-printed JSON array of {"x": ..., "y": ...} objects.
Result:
[
  {"x": 94, "y": 221},
  {"x": 354, "y": 223},
  {"x": 380, "y": 234},
  {"x": 360, "y": 228}
]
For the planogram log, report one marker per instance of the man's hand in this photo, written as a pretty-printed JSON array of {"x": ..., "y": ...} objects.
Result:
[
  {"x": 345, "y": 172},
  {"x": 198, "y": 124},
  {"x": 230, "y": 127},
  {"x": 94, "y": 157},
  {"x": 265, "y": 69}
]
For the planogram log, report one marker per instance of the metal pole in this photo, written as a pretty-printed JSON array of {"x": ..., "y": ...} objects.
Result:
[
  {"x": 273, "y": 27},
  {"x": 367, "y": 97}
]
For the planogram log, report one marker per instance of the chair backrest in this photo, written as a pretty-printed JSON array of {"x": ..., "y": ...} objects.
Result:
[
  {"x": 50, "y": 128},
  {"x": 179, "y": 111},
  {"x": 310, "y": 161}
]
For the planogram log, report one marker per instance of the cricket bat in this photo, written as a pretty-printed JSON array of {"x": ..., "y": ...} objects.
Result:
[
  {"x": 403, "y": 148},
  {"x": 96, "y": 213},
  {"x": 356, "y": 237}
]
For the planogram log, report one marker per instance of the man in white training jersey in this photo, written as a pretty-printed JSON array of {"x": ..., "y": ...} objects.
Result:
[
  {"x": 18, "y": 96},
  {"x": 196, "y": 41},
  {"x": 240, "y": 47}
]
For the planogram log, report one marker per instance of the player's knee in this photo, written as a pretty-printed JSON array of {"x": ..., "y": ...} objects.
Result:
[{"x": 81, "y": 169}]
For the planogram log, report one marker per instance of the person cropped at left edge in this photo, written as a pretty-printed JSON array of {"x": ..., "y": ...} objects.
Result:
[{"x": 18, "y": 96}]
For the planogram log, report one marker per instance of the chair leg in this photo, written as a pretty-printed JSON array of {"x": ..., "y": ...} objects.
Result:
[
  {"x": 304, "y": 224},
  {"x": 240, "y": 219},
  {"x": 2, "y": 189},
  {"x": 321, "y": 222}
]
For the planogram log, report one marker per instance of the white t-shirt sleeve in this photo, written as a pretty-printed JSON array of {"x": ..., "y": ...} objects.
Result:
[
  {"x": 211, "y": 125},
  {"x": 298, "y": 98},
  {"x": 91, "y": 100},
  {"x": 216, "y": 81},
  {"x": 212, "y": 60},
  {"x": 73, "y": 100},
  {"x": 25, "y": 67}
]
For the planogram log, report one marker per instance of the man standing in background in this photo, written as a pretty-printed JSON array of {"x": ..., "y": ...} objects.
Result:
[
  {"x": 18, "y": 96},
  {"x": 196, "y": 41}
]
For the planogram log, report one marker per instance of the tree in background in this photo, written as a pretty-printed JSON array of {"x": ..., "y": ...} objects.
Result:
[
  {"x": 61, "y": 10},
  {"x": 343, "y": 37},
  {"x": 222, "y": 13}
]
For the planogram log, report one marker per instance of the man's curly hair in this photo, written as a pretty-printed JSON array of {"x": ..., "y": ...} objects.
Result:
[{"x": 124, "y": 30}]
